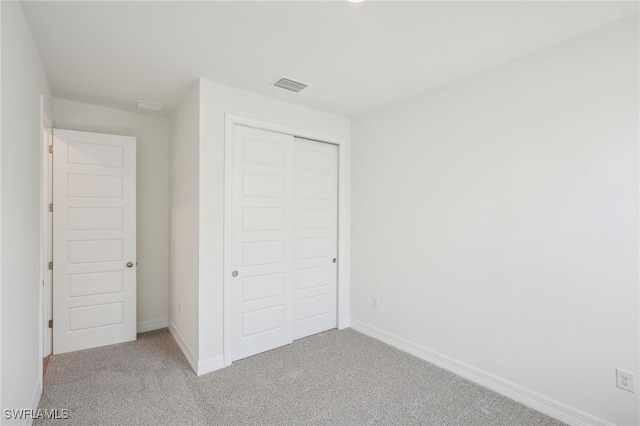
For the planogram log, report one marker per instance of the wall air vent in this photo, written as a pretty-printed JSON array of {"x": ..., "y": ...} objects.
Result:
[
  {"x": 288, "y": 84},
  {"x": 149, "y": 106}
]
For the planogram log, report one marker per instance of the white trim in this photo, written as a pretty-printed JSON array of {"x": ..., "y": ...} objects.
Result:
[
  {"x": 48, "y": 238},
  {"x": 209, "y": 365},
  {"x": 344, "y": 324},
  {"x": 344, "y": 216},
  {"x": 199, "y": 367},
  {"x": 532, "y": 399},
  {"x": 1, "y": 406},
  {"x": 43, "y": 229},
  {"x": 151, "y": 325},
  {"x": 186, "y": 350},
  {"x": 45, "y": 346},
  {"x": 274, "y": 127},
  {"x": 226, "y": 257},
  {"x": 35, "y": 401}
]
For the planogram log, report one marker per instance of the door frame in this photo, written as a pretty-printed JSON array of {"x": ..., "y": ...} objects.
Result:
[
  {"x": 343, "y": 310},
  {"x": 46, "y": 235}
]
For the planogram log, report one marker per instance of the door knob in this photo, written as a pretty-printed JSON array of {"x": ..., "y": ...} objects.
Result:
[
  {"x": 334, "y": 260},
  {"x": 129, "y": 264},
  {"x": 234, "y": 274}
]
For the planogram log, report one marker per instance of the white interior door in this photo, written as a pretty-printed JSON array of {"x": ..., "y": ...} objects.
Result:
[
  {"x": 94, "y": 240},
  {"x": 262, "y": 236},
  {"x": 283, "y": 225},
  {"x": 316, "y": 231}
]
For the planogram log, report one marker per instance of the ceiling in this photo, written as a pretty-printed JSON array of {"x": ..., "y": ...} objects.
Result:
[{"x": 356, "y": 58}]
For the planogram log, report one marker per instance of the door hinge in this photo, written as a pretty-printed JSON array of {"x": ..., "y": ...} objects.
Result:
[
  {"x": 51, "y": 266},
  {"x": 50, "y": 207},
  {"x": 50, "y": 323},
  {"x": 50, "y": 149}
]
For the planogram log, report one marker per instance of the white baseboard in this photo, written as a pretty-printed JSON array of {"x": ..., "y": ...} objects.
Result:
[
  {"x": 186, "y": 350},
  {"x": 199, "y": 367},
  {"x": 346, "y": 323},
  {"x": 211, "y": 364},
  {"x": 35, "y": 401},
  {"x": 22, "y": 415},
  {"x": 151, "y": 325},
  {"x": 516, "y": 392}
]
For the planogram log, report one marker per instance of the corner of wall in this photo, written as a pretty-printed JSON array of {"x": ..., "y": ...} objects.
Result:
[
  {"x": 210, "y": 220},
  {"x": 184, "y": 217},
  {"x": 210, "y": 365},
  {"x": 189, "y": 354}
]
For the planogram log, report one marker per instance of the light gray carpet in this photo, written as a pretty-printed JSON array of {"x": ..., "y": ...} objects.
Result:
[{"x": 333, "y": 378}]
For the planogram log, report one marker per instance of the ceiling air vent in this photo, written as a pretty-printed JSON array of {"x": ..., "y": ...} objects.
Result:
[{"x": 288, "y": 84}]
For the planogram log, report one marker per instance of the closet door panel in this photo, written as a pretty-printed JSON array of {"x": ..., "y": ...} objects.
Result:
[
  {"x": 316, "y": 234},
  {"x": 262, "y": 241}
]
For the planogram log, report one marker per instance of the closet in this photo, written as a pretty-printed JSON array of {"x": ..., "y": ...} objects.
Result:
[{"x": 284, "y": 225}]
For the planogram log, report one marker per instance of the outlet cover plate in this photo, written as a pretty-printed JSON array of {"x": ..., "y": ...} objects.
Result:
[{"x": 625, "y": 380}]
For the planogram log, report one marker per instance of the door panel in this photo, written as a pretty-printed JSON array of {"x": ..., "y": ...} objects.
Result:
[
  {"x": 316, "y": 231},
  {"x": 94, "y": 236},
  {"x": 262, "y": 234}
]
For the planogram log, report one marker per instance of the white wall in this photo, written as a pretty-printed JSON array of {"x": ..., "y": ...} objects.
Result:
[
  {"x": 152, "y": 134},
  {"x": 23, "y": 81},
  {"x": 216, "y": 100},
  {"x": 497, "y": 222},
  {"x": 184, "y": 224}
]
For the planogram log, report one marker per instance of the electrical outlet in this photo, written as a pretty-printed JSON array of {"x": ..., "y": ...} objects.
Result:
[
  {"x": 625, "y": 380},
  {"x": 374, "y": 301}
]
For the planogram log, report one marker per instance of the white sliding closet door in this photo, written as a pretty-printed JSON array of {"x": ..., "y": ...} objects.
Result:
[
  {"x": 316, "y": 220},
  {"x": 283, "y": 239},
  {"x": 262, "y": 235}
]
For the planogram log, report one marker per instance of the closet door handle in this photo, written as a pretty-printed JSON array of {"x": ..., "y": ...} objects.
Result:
[
  {"x": 334, "y": 260},
  {"x": 234, "y": 274}
]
